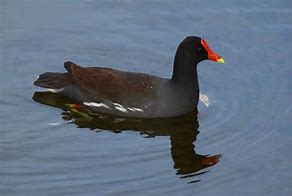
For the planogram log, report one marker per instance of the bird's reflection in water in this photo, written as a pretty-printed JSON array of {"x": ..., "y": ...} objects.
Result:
[{"x": 181, "y": 130}]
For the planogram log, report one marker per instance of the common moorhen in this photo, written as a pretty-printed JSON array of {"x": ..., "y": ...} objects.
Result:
[{"x": 132, "y": 94}]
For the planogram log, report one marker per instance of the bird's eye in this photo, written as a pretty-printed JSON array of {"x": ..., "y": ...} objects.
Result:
[{"x": 200, "y": 49}]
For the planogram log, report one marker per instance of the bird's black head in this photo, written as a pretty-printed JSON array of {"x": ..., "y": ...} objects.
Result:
[
  {"x": 195, "y": 49},
  {"x": 190, "y": 52}
]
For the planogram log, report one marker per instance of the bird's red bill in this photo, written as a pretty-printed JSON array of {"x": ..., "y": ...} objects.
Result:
[{"x": 211, "y": 54}]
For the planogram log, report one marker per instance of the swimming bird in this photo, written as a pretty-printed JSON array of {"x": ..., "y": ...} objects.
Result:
[{"x": 130, "y": 94}]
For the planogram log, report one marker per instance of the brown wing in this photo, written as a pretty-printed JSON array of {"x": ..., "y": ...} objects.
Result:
[{"x": 112, "y": 84}]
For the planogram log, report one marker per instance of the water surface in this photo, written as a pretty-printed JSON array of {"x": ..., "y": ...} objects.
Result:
[{"x": 239, "y": 145}]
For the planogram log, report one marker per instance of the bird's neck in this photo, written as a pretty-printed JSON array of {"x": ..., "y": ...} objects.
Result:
[{"x": 184, "y": 72}]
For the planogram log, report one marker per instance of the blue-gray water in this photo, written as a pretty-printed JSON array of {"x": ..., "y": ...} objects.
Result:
[{"x": 248, "y": 120}]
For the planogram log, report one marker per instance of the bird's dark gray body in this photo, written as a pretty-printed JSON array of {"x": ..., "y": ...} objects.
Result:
[{"x": 165, "y": 100}]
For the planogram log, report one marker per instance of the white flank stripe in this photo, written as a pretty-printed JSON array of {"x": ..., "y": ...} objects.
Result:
[
  {"x": 120, "y": 107},
  {"x": 93, "y": 104},
  {"x": 54, "y": 90}
]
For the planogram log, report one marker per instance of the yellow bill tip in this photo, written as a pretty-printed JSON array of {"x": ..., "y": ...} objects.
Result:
[{"x": 221, "y": 60}]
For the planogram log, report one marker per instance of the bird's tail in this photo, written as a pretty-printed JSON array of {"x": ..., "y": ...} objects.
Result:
[{"x": 53, "y": 80}]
